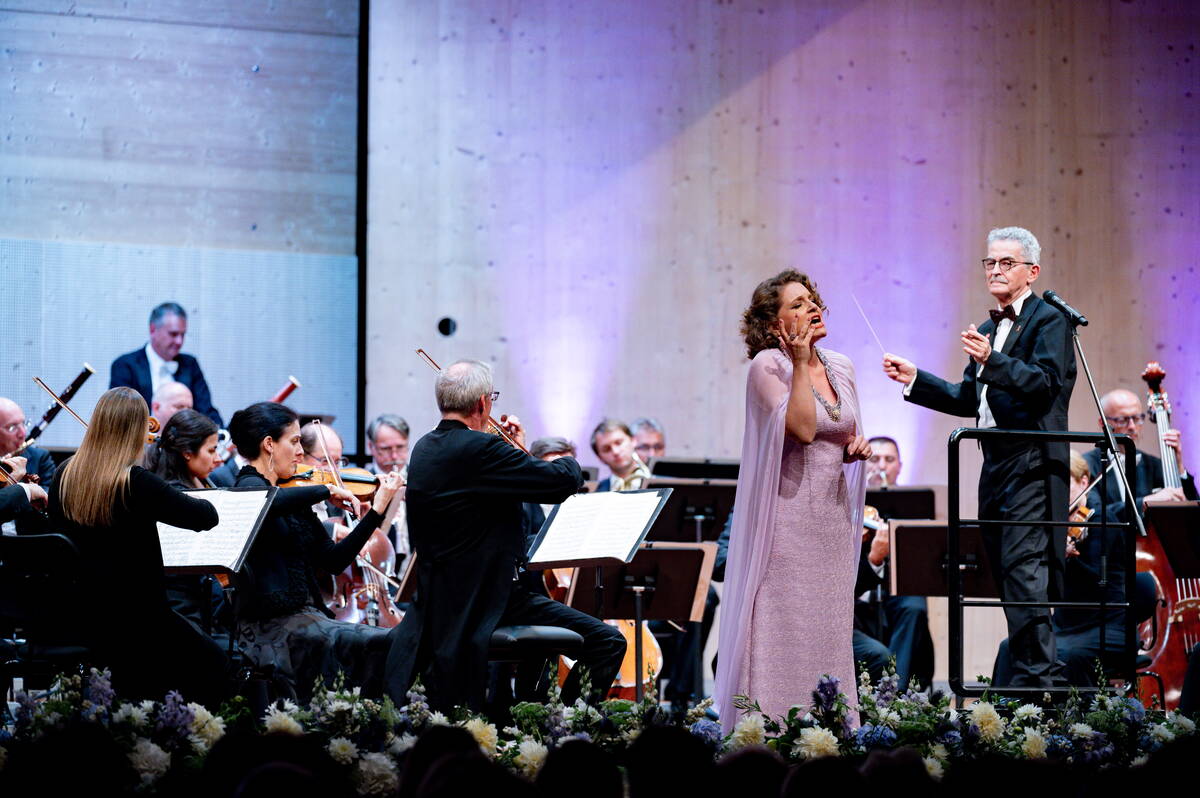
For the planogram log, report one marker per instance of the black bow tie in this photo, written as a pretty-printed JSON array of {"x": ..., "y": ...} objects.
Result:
[{"x": 998, "y": 315}]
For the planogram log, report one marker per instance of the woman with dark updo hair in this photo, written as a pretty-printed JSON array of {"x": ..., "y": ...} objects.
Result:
[
  {"x": 284, "y": 621},
  {"x": 788, "y": 606}
]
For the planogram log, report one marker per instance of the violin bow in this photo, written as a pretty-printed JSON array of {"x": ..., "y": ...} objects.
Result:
[
  {"x": 329, "y": 462},
  {"x": 495, "y": 424}
]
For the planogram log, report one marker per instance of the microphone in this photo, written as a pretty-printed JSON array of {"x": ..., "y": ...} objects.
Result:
[{"x": 1073, "y": 315}]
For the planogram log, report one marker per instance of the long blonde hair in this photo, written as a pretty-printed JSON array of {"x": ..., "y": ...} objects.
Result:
[{"x": 91, "y": 481}]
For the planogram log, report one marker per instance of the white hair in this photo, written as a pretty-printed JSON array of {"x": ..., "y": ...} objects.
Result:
[
  {"x": 460, "y": 385},
  {"x": 1031, "y": 250}
]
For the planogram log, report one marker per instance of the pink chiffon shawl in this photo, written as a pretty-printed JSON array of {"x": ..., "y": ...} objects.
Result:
[{"x": 767, "y": 390}]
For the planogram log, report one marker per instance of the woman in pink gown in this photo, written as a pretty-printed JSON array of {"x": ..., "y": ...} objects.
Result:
[{"x": 787, "y": 614}]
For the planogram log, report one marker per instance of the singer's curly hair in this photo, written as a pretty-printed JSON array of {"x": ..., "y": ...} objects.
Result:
[{"x": 764, "y": 310}]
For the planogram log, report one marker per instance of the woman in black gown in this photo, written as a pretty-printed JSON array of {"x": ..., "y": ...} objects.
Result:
[
  {"x": 109, "y": 507},
  {"x": 284, "y": 621}
]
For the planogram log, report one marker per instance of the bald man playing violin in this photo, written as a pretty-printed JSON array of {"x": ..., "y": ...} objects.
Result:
[
  {"x": 32, "y": 460},
  {"x": 1019, "y": 376}
]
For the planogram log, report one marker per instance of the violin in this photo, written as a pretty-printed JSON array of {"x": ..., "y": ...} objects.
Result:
[{"x": 359, "y": 481}]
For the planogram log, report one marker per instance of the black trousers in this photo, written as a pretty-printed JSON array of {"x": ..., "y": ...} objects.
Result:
[
  {"x": 1021, "y": 483},
  {"x": 603, "y": 645}
]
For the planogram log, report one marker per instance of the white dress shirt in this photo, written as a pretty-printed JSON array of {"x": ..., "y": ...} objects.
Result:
[{"x": 161, "y": 371}]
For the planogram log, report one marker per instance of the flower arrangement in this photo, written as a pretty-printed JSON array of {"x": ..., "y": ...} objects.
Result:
[{"x": 367, "y": 739}]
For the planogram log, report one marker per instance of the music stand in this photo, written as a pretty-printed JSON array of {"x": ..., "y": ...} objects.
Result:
[
  {"x": 1176, "y": 524},
  {"x": 694, "y": 467},
  {"x": 919, "y": 561},
  {"x": 663, "y": 582},
  {"x": 907, "y": 502},
  {"x": 696, "y": 511}
]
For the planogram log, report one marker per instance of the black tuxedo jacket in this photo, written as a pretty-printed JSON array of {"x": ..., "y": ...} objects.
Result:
[
  {"x": 133, "y": 370},
  {"x": 467, "y": 527},
  {"x": 1148, "y": 479},
  {"x": 1029, "y": 388}
]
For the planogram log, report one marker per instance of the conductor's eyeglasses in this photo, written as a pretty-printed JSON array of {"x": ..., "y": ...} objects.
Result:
[{"x": 1005, "y": 264}]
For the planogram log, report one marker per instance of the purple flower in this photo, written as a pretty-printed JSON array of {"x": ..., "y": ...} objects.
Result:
[
  {"x": 1134, "y": 711},
  {"x": 707, "y": 730},
  {"x": 872, "y": 736},
  {"x": 825, "y": 696},
  {"x": 26, "y": 708},
  {"x": 175, "y": 718},
  {"x": 885, "y": 693},
  {"x": 99, "y": 688}
]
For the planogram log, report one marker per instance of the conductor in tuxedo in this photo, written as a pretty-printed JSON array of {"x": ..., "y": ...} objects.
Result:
[
  {"x": 464, "y": 497},
  {"x": 160, "y": 361},
  {"x": 1019, "y": 376}
]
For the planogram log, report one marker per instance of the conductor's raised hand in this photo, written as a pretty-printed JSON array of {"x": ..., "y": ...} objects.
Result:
[
  {"x": 898, "y": 369},
  {"x": 513, "y": 429},
  {"x": 796, "y": 339},
  {"x": 389, "y": 485},
  {"x": 976, "y": 345},
  {"x": 857, "y": 449}
]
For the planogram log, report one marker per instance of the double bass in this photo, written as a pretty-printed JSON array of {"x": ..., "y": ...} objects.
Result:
[{"x": 1175, "y": 627}]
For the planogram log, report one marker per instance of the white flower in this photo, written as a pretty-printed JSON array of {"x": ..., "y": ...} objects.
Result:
[
  {"x": 531, "y": 755},
  {"x": 339, "y": 706},
  {"x": 1182, "y": 723},
  {"x": 147, "y": 706},
  {"x": 377, "y": 775},
  {"x": 815, "y": 742},
  {"x": 402, "y": 743},
  {"x": 1028, "y": 712},
  {"x": 987, "y": 720},
  {"x": 289, "y": 706},
  {"x": 342, "y": 750},
  {"x": 1080, "y": 730},
  {"x": 1161, "y": 733},
  {"x": 149, "y": 760},
  {"x": 278, "y": 720},
  {"x": 889, "y": 718},
  {"x": 1140, "y": 760},
  {"x": 438, "y": 719},
  {"x": 206, "y": 726},
  {"x": 1034, "y": 744},
  {"x": 934, "y": 768},
  {"x": 939, "y": 752},
  {"x": 750, "y": 730},
  {"x": 130, "y": 713},
  {"x": 484, "y": 734}
]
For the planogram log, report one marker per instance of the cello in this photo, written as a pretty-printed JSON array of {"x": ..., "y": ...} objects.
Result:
[{"x": 1175, "y": 627}]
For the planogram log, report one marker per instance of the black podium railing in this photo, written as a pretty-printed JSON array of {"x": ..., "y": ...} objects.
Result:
[{"x": 1122, "y": 662}]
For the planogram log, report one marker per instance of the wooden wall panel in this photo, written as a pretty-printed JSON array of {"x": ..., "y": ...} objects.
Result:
[{"x": 182, "y": 124}]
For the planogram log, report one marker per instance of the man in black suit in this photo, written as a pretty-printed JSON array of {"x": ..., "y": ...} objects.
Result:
[
  {"x": 1126, "y": 416},
  {"x": 465, "y": 522},
  {"x": 160, "y": 361},
  {"x": 1020, "y": 376},
  {"x": 32, "y": 460}
]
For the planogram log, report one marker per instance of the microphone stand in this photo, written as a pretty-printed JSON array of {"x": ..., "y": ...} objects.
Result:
[{"x": 1110, "y": 442}]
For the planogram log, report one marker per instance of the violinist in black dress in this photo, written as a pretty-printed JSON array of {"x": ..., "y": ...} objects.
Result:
[
  {"x": 109, "y": 508},
  {"x": 283, "y": 621}
]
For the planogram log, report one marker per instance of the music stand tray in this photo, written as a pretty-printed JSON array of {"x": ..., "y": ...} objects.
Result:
[
  {"x": 697, "y": 509},
  {"x": 694, "y": 467},
  {"x": 918, "y": 561},
  {"x": 1178, "y": 527},
  {"x": 907, "y": 502}
]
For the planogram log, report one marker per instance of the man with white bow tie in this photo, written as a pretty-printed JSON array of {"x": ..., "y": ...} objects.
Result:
[{"x": 160, "y": 362}]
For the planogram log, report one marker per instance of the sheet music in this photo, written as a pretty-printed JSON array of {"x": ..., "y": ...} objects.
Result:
[
  {"x": 221, "y": 546},
  {"x": 597, "y": 525}
]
